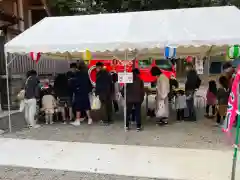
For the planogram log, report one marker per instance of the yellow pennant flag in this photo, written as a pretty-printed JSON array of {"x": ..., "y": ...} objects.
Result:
[{"x": 87, "y": 56}]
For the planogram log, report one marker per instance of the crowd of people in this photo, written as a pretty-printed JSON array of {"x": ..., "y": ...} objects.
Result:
[
  {"x": 217, "y": 97},
  {"x": 70, "y": 96}
]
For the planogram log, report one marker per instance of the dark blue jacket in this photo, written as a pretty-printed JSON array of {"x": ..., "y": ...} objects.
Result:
[
  {"x": 104, "y": 84},
  {"x": 81, "y": 84}
]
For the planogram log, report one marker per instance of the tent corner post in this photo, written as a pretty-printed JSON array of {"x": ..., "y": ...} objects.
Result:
[
  {"x": 7, "y": 55},
  {"x": 12, "y": 59},
  {"x": 125, "y": 93}
]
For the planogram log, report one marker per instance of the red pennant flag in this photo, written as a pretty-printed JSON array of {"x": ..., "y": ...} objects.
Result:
[
  {"x": 35, "y": 56},
  {"x": 189, "y": 59}
]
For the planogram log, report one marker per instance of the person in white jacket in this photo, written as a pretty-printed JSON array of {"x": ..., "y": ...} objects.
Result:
[{"x": 162, "y": 88}]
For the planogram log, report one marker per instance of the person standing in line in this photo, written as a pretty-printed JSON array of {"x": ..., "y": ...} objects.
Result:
[
  {"x": 162, "y": 89},
  {"x": 211, "y": 98},
  {"x": 135, "y": 97},
  {"x": 104, "y": 89},
  {"x": 81, "y": 87},
  {"x": 228, "y": 72},
  {"x": 81, "y": 65},
  {"x": 180, "y": 104},
  {"x": 193, "y": 82},
  {"x": 116, "y": 93},
  {"x": 48, "y": 105},
  {"x": 222, "y": 97},
  {"x": 32, "y": 92},
  {"x": 62, "y": 91}
]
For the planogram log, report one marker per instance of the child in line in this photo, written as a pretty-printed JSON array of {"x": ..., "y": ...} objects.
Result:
[
  {"x": 116, "y": 93},
  {"x": 180, "y": 103},
  {"x": 222, "y": 97},
  {"x": 211, "y": 98},
  {"x": 48, "y": 106}
]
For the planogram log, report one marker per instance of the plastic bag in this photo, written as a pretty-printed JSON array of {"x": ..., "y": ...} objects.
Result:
[
  {"x": 173, "y": 103},
  {"x": 95, "y": 102},
  {"x": 151, "y": 101},
  {"x": 161, "y": 109},
  {"x": 118, "y": 96},
  {"x": 121, "y": 101},
  {"x": 21, "y": 95},
  {"x": 21, "y": 106}
]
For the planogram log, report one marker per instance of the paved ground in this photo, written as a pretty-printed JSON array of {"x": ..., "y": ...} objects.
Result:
[
  {"x": 19, "y": 173},
  {"x": 17, "y": 120},
  {"x": 202, "y": 135},
  {"x": 127, "y": 160}
]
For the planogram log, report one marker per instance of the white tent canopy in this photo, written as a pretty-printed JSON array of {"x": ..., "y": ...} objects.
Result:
[{"x": 193, "y": 31}]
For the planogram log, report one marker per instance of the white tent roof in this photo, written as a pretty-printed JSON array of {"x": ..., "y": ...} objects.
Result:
[{"x": 182, "y": 28}]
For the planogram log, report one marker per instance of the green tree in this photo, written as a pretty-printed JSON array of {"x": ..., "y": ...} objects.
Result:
[
  {"x": 72, "y": 7},
  {"x": 62, "y": 7}
]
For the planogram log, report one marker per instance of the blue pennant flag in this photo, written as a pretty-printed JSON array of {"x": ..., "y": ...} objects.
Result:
[{"x": 170, "y": 52}]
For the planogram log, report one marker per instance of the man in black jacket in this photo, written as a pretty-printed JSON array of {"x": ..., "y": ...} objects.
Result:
[
  {"x": 104, "y": 89},
  {"x": 63, "y": 91},
  {"x": 193, "y": 82}
]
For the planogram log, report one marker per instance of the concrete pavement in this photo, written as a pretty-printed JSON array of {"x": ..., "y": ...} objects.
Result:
[
  {"x": 20, "y": 173},
  {"x": 123, "y": 160},
  {"x": 179, "y": 151}
]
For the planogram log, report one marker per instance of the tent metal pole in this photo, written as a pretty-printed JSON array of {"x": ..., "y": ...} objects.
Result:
[
  {"x": 125, "y": 93},
  {"x": 208, "y": 59},
  {"x": 36, "y": 67},
  {"x": 54, "y": 73},
  {"x": 8, "y": 92}
]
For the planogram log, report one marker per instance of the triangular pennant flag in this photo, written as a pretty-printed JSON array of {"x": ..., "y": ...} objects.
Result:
[{"x": 35, "y": 56}]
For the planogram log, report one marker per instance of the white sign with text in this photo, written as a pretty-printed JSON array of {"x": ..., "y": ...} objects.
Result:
[
  {"x": 199, "y": 66},
  {"x": 125, "y": 77}
]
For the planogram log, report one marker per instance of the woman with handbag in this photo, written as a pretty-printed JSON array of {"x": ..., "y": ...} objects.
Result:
[
  {"x": 162, "y": 89},
  {"x": 81, "y": 87}
]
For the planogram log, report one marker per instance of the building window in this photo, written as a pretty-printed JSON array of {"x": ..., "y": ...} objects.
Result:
[
  {"x": 215, "y": 68},
  {"x": 164, "y": 64},
  {"x": 145, "y": 63}
]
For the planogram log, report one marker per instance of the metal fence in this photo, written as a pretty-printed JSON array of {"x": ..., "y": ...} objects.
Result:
[{"x": 23, "y": 63}]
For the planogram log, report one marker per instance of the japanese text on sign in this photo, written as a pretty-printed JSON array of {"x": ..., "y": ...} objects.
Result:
[
  {"x": 125, "y": 77},
  {"x": 199, "y": 66}
]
